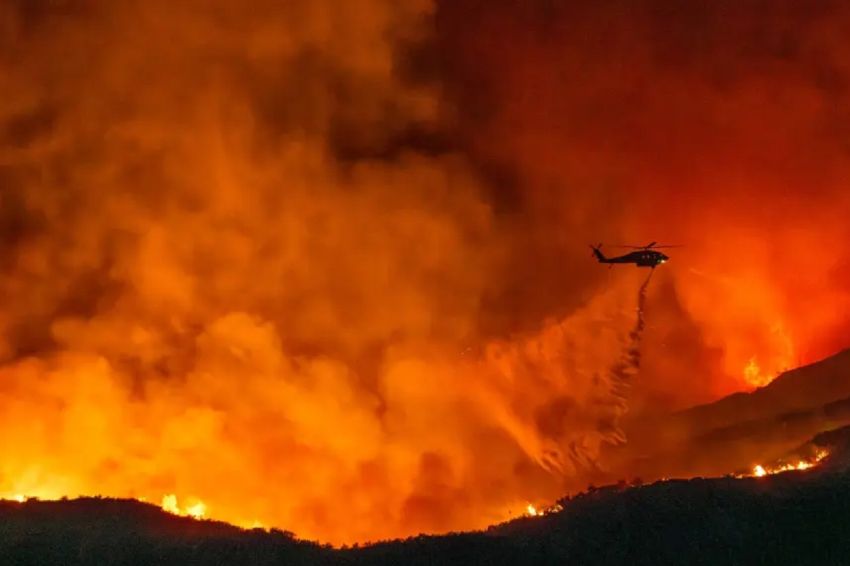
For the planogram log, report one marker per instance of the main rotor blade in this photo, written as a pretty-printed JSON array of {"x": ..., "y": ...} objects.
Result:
[{"x": 649, "y": 247}]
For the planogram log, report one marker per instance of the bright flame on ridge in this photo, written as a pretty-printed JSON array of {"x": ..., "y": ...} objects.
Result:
[
  {"x": 171, "y": 505},
  {"x": 760, "y": 471}
]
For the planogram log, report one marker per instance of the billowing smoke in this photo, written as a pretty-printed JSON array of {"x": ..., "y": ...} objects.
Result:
[
  {"x": 720, "y": 126},
  {"x": 245, "y": 263},
  {"x": 321, "y": 264}
]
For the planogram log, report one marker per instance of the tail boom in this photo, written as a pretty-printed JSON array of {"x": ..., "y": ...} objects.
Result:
[{"x": 597, "y": 253}]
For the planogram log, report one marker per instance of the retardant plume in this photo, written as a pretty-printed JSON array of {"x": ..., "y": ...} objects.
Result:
[{"x": 628, "y": 367}]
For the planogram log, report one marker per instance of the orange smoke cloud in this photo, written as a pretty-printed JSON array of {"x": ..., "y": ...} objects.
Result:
[
  {"x": 241, "y": 268},
  {"x": 287, "y": 262},
  {"x": 717, "y": 126}
]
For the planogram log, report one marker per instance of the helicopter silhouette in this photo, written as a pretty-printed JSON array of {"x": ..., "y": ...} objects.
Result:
[{"x": 643, "y": 256}]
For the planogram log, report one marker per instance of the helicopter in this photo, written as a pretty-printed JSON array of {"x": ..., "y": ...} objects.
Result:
[{"x": 643, "y": 256}]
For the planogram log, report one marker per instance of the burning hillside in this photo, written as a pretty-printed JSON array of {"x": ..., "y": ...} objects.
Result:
[
  {"x": 756, "y": 433},
  {"x": 796, "y": 517},
  {"x": 267, "y": 257}
]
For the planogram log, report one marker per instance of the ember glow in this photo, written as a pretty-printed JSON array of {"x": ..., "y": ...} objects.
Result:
[{"x": 289, "y": 258}]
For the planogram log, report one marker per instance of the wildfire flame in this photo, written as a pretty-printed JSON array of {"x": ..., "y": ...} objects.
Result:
[
  {"x": 753, "y": 374},
  {"x": 756, "y": 376},
  {"x": 242, "y": 248},
  {"x": 197, "y": 510},
  {"x": 760, "y": 470},
  {"x": 533, "y": 511}
]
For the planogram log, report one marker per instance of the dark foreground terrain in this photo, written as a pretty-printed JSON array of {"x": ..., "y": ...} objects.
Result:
[{"x": 790, "y": 518}]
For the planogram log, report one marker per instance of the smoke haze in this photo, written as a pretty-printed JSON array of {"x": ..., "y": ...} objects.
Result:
[{"x": 323, "y": 265}]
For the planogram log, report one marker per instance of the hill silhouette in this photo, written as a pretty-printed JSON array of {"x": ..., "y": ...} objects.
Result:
[{"x": 789, "y": 518}]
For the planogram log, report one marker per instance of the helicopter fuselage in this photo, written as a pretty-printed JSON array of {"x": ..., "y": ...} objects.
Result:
[{"x": 641, "y": 258}]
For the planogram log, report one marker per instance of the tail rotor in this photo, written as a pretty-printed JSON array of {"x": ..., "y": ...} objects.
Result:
[{"x": 596, "y": 252}]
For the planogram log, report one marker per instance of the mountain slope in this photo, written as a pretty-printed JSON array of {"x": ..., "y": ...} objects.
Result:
[{"x": 740, "y": 430}]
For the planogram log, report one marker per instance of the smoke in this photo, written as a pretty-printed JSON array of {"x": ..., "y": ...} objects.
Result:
[
  {"x": 246, "y": 263},
  {"x": 716, "y": 126},
  {"x": 320, "y": 264}
]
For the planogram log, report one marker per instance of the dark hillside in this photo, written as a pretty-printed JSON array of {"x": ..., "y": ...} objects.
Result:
[
  {"x": 96, "y": 531},
  {"x": 800, "y": 389},
  {"x": 791, "y": 518},
  {"x": 738, "y": 431}
]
